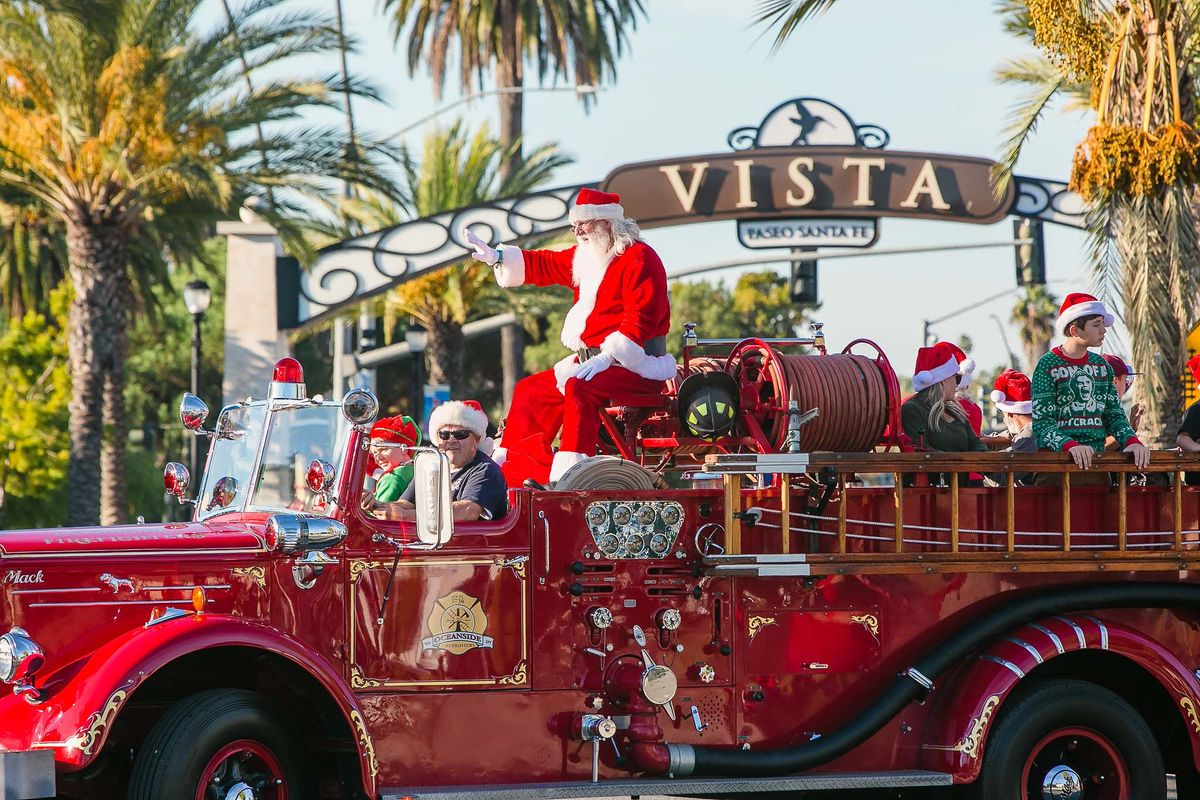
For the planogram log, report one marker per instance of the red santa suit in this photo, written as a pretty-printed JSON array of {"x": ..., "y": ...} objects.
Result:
[{"x": 621, "y": 311}]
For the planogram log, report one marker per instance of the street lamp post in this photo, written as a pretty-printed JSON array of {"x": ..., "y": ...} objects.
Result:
[
  {"x": 417, "y": 338},
  {"x": 196, "y": 297}
]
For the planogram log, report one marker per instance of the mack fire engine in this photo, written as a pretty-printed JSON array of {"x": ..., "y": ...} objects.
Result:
[{"x": 782, "y": 602}]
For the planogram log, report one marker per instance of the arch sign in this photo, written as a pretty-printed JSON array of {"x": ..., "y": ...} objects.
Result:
[{"x": 806, "y": 176}]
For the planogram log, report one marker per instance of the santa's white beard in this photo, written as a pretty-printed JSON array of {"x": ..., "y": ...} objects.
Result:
[{"x": 591, "y": 261}]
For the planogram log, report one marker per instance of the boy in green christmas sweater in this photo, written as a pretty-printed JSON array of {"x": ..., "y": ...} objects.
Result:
[{"x": 1075, "y": 404}]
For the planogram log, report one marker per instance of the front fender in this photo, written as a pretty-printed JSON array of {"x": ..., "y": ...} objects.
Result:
[
  {"x": 84, "y": 698},
  {"x": 966, "y": 707}
]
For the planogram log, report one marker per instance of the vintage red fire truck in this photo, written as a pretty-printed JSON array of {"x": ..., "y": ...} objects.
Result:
[{"x": 785, "y": 602}]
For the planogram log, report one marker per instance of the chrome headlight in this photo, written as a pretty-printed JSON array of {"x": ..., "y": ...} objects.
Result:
[{"x": 20, "y": 656}]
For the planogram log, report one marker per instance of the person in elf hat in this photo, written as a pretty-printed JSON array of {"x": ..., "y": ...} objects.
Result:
[
  {"x": 1075, "y": 403},
  {"x": 616, "y": 331},
  {"x": 1013, "y": 395},
  {"x": 390, "y": 439},
  {"x": 932, "y": 418},
  {"x": 1188, "y": 438},
  {"x": 1123, "y": 375}
]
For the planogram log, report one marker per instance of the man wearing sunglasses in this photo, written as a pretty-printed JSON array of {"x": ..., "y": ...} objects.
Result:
[
  {"x": 616, "y": 331},
  {"x": 477, "y": 490}
]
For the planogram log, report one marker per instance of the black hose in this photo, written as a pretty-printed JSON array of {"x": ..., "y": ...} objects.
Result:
[{"x": 686, "y": 760}]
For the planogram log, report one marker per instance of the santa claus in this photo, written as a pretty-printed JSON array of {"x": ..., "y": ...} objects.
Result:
[{"x": 616, "y": 331}]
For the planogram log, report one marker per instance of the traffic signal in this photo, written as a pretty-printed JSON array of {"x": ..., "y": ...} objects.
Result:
[
  {"x": 1031, "y": 256},
  {"x": 804, "y": 283}
]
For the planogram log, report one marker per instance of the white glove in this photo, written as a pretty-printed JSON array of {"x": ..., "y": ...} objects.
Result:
[
  {"x": 483, "y": 251},
  {"x": 593, "y": 366}
]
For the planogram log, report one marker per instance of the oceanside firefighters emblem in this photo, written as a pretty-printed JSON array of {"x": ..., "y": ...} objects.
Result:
[{"x": 457, "y": 623}]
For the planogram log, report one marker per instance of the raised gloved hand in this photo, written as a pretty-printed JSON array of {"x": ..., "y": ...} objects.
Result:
[
  {"x": 593, "y": 366},
  {"x": 483, "y": 251}
]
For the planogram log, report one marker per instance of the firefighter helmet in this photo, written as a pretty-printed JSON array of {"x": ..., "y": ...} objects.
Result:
[{"x": 708, "y": 404}]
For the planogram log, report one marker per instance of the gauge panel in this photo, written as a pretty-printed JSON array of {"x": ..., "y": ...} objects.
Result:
[{"x": 634, "y": 529}]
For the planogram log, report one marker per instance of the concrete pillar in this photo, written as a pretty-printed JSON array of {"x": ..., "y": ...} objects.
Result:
[{"x": 253, "y": 340}]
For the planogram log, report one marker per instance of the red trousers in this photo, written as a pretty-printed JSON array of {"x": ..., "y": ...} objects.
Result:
[{"x": 539, "y": 410}]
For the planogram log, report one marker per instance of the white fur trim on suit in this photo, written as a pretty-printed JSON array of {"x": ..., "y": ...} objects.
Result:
[
  {"x": 563, "y": 461},
  {"x": 564, "y": 370},
  {"x": 510, "y": 269},
  {"x": 588, "y": 278},
  {"x": 499, "y": 455},
  {"x": 456, "y": 412},
  {"x": 596, "y": 211},
  {"x": 1085, "y": 309},
  {"x": 926, "y": 378},
  {"x": 966, "y": 371},
  {"x": 633, "y": 357}
]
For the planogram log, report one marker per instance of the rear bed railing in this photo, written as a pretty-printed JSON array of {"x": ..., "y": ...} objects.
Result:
[{"x": 781, "y": 470}]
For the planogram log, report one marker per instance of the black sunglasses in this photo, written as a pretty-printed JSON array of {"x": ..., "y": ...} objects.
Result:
[{"x": 460, "y": 435}]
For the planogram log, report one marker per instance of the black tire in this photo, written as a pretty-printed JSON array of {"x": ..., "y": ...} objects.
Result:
[
  {"x": 177, "y": 754},
  {"x": 1076, "y": 724}
]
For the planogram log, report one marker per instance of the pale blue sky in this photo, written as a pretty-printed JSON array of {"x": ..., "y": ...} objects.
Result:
[{"x": 695, "y": 70}]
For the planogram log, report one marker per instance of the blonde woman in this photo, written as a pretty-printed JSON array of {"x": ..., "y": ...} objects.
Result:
[{"x": 932, "y": 418}]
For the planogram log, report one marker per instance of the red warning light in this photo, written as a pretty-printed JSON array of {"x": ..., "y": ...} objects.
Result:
[{"x": 288, "y": 370}]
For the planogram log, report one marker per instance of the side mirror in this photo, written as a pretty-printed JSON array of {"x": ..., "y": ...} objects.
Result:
[
  {"x": 176, "y": 479},
  {"x": 223, "y": 493},
  {"x": 192, "y": 413},
  {"x": 435, "y": 518},
  {"x": 360, "y": 406},
  {"x": 320, "y": 478}
]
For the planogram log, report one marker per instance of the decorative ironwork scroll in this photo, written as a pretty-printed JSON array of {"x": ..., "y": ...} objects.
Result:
[
  {"x": 355, "y": 269},
  {"x": 1048, "y": 200}
]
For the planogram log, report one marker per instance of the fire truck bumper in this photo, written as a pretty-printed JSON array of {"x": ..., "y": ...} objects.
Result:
[{"x": 27, "y": 775}]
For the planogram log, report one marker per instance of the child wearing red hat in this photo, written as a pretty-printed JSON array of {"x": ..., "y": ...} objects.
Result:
[
  {"x": 1123, "y": 375},
  {"x": 1013, "y": 395},
  {"x": 1188, "y": 438},
  {"x": 1075, "y": 403},
  {"x": 932, "y": 418},
  {"x": 390, "y": 439}
]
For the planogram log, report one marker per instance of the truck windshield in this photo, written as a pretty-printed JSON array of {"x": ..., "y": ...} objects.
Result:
[{"x": 297, "y": 434}]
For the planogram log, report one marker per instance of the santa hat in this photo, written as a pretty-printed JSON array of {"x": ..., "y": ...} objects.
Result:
[
  {"x": 1076, "y": 305},
  {"x": 399, "y": 429},
  {"x": 934, "y": 365},
  {"x": 593, "y": 204},
  {"x": 1013, "y": 392},
  {"x": 966, "y": 365},
  {"x": 468, "y": 414},
  {"x": 1119, "y": 367},
  {"x": 1193, "y": 364}
]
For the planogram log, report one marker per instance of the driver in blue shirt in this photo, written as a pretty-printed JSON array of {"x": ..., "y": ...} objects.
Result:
[{"x": 477, "y": 487}]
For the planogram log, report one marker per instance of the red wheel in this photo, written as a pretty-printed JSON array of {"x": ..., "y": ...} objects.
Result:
[
  {"x": 242, "y": 770},
  {"x": 1070, "y": 740},
  {"x": 221, "y": 744},
  {"x": 1076, "y": 762}
]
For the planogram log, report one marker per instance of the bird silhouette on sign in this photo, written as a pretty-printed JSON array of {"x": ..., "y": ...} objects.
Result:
[{"x": 806, "y": 122}]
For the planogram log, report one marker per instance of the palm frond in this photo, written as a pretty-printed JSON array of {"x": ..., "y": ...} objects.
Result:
[
  {"x": 1047, "y": 81},
  {"x": 786, "y": 15}
]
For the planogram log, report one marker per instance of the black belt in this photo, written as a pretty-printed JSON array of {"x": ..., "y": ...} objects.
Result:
[{"x": 653, "y": 347}]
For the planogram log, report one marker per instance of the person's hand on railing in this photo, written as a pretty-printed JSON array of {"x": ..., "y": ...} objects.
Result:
[
  {"x": 1081, "y": 454},
  {"x": 1141, "y": 455}
]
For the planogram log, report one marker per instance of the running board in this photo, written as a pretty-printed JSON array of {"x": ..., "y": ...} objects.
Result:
[{"x": 668, "y": 786}]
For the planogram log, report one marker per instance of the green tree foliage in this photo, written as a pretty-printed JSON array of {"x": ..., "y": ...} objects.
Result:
[
  {"x": 133, "y": 129},
  {"x": 35, "y": 386},
  {"x": 583, "y": 37}
]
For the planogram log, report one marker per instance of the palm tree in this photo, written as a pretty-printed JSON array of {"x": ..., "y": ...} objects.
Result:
[
  {"x": 33, "y": 258},
  {"x": 1135, "y": 66},
  {"x": 455, "y": 170},
  {"x": 1034, "y": 314},
  {"x": 133, "y": 131},
  {"x": 585, "y": 37}
]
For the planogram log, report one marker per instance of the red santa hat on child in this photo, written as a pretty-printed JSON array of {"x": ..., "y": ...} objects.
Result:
[
  {"x": 593, "y": 204},
  {"x": 966, "y": 365},
  {"x": 399, "y": 429},
  {"x": 465, "y": 413},
  {"x": 1120, "y": 368},
  {"x": 1076, "y": 305},
  {"x": 934, "y": 365},
  {"x": 1013, "y": 392}
]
